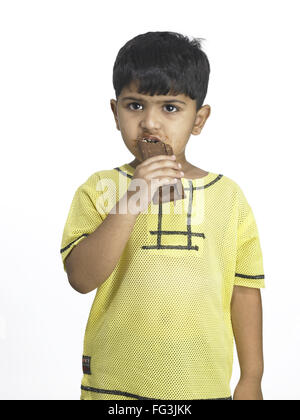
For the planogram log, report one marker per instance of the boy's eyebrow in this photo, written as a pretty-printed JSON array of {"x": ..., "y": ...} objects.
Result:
[{"x": 158, "y": 102}]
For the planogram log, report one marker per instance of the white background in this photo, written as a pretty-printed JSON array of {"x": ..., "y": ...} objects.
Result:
[{"x": 57, "y": 129}]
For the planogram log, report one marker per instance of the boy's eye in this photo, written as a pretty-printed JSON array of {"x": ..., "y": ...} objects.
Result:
[
  {"x": 169, "y": 105},
  {"x": 133, "y": 103},
  {"x": 172, "y": 106}
]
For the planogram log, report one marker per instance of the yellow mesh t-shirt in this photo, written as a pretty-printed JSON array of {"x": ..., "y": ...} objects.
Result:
[{"x": 159, "y": 326}]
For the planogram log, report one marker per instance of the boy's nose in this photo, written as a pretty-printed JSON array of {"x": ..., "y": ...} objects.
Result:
[{"x": 150, "y": 121}]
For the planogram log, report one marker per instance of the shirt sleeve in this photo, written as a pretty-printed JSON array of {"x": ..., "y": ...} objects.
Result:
[
  {"x": 249, "y": 270},
  {"x": 85, "y": 215}
]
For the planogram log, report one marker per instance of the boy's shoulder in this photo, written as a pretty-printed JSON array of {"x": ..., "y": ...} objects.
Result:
[
  {"x": 234, "y": 188},
  {"x": 96, "y": 177},
  {"x": 225, "y": 183},
  {"x": 108, "y": 183},
  {"x": 231, "y": 183}
]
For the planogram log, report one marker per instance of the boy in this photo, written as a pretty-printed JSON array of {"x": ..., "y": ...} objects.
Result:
[{"x": 175, "y": 281}]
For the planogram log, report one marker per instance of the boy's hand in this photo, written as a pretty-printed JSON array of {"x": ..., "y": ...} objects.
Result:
[
  {"x": 248, "y": 389},
  {"x": 156, "y": 171}
]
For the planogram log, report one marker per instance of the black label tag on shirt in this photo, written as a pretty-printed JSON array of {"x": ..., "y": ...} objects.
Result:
[{"x": 86, "y": 365}]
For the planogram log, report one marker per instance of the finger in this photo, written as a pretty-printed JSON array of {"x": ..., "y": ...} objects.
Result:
[{"x": 158, "y": 158}]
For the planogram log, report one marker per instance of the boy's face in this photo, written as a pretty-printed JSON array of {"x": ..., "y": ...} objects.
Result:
[{"x": 172, "y": 119}]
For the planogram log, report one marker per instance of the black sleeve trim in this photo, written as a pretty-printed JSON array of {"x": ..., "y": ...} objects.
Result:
[
  {"x": 68, "y": 246},
  {"x": 250, "y": 277}
]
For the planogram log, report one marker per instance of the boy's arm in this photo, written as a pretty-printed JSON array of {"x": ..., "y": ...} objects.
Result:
[
  {"x": 246, "y": 318},
  {"x": 92, "y": 261}
]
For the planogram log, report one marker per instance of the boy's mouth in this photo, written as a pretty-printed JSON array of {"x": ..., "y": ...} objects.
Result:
[{"x": 151, "y": 139}]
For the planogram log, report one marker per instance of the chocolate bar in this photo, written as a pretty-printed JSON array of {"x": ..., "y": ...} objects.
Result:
[{"x": 165, "y": 193}]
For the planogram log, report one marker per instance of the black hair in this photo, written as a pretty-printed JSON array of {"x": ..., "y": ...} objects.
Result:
[{"x": 163, "y": 63}]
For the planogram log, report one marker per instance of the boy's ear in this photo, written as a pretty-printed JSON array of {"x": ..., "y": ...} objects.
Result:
[
  {"x": 113, "y": 105},
  {"x": 201, "y": 117}
]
